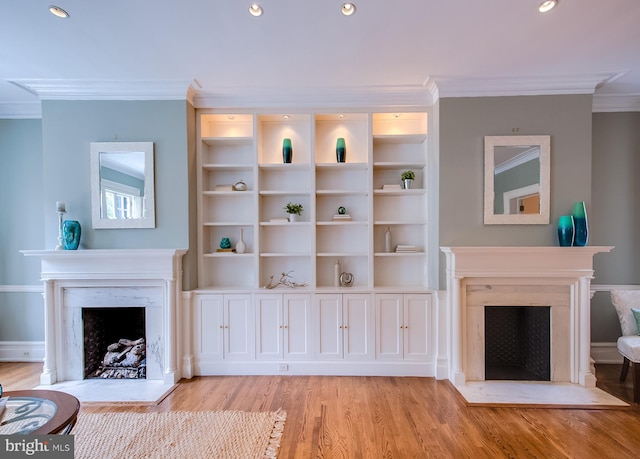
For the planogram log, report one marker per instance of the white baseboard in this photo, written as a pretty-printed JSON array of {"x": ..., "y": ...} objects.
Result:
[
  {"x": 324, "y": 368},
  {"x": 21, "y": 351},
  {"x": 605, "y": 353}
]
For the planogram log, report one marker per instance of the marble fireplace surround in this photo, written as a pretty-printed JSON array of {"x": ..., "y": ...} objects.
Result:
[
  {"x": 559, "y": 277},
  {"x": 73, "y": 280}
]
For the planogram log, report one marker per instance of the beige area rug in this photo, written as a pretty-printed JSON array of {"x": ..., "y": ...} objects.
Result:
[{"x": 178, "y": 434}]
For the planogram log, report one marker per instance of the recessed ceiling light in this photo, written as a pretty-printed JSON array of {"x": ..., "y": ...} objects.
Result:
[
  {"x": 57, "y": 11},
  {"x": 547, "y": 5},
  {"x": 286, "y": 117},
  {"x": 340, "y": 116},
  {"x": 255, "y": 10},
  {"x": 348, "y": 9}
]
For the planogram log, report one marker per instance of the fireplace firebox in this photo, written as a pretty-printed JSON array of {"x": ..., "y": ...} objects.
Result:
[
  {"x": 517, "y": 343},
  {"x": 114, "y": 343}
]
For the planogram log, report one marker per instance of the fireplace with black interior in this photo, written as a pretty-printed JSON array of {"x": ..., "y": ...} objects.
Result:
[
  {"x": 114, "y": 343},
  {"x": 517, "y": 343}
]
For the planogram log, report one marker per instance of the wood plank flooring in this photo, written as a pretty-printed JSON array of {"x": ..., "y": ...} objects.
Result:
[{"x": 391, "y": 417}]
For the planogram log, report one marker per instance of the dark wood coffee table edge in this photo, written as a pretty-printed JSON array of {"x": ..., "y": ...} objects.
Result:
[{"x": 66, "y": 415}]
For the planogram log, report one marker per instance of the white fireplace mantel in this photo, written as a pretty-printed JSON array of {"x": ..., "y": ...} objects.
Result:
[
  {"x": 470, "y": 269},
  {"x": 106, "y": 277}
]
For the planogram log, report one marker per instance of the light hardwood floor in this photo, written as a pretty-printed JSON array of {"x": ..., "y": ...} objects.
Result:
[{"x": 390, "y": 417}]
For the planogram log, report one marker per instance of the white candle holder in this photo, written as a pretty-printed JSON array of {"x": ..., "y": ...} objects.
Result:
[{"x": 60, "y": 210}]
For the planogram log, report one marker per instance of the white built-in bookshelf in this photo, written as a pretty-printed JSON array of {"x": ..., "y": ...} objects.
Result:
[{"x": 247, "y": 147}]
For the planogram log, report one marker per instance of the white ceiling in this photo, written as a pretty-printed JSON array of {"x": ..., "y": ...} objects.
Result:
[{"x": 305, "y": 52}]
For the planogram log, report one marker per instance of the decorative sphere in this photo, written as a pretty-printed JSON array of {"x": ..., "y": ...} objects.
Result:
[{"x": 342, "y": 210}]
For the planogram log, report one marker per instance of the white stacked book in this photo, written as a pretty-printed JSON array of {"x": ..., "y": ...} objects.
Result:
[
  {"x": 342, "y": 218},
  {"x": 401, "y": 248},
  {"x": 391, "y": 187}
]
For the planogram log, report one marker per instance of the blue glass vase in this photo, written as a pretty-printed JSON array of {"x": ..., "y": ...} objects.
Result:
[
  {"x": 581, "y": 236},
  {"x": 287, "y": 151},
  {"x": 71, "y": 232},
  {"x": 565, "y": 231},
  {"x": 341, "y": 150}
]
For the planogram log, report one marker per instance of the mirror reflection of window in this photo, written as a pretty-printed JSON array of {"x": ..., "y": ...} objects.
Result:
[
  {"x": 122, "y": 185},
  {"x": 120, "y": 201},
  {"x": 517, "y": 179}
]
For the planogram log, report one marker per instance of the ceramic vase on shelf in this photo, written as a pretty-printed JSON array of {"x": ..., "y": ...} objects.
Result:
[
  {"x": 565, "y": 231},
  {"x": 71, "y": 232},
  {"x": 341, "y": 150},
  {"x": 241, "y": 247},
  {"x": 287, "y": 151},
  {"x": 581, "y": 232},
  {"x": 387, "y": 240}
]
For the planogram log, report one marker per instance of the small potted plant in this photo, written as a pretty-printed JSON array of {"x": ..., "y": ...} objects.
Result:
[
  {"x": 294, "y": 210},
  {"x": 408, "y": 177}
]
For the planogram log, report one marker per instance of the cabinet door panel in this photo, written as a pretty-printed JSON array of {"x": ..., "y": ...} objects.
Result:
[
  {"x": 239, "y": 334},
  {"x": 388, "y": 323},
  {"x": 269, "y": 323},
  {"x": 209, "y": 318},
  {"x": 358, "y": 332},
  {"x": 416, "y": 320},
  {"x": 297, "y": 326},
  {"x": 329, "y": 319}
]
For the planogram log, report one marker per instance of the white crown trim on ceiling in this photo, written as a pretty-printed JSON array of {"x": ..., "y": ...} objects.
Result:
[{"x": 426, "y": 94}]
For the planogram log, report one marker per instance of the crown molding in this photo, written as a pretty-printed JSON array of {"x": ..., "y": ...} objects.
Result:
[
  {"x": 76, "y": 89},
  {"x": 366, "y": 96},
  {"x": 521, "y": 85},
  {"x": 616, "y": 103},
  {"x": 20, "y": 110}
]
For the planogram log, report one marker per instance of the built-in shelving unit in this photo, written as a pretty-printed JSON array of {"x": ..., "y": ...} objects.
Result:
[
  {"x": 247, "y": 147},
  {"x": 378, "y": 325}
]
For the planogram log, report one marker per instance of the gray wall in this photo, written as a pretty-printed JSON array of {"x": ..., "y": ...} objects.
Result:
[
  {"x": 68, "y": 127},
  {"x": 21, "y": 194},
  {"x": 615, "y": 214},
  {"x": 463, "y": 124}
]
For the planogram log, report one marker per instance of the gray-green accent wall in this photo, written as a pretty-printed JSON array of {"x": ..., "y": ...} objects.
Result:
[
  {"x": 465, "y": 121},
  {"x": 615, "y": 213},
  {"x": 21, "y": 191},
  {"x": 68, "y": 128}
]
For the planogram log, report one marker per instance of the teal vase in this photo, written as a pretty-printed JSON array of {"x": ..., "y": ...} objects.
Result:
[
  {"x": 341, "y": 150},
  {"x": 71, "y": 232},
  {"x": 581, "y": 236},
  {"x": 565, "y": 231},
  {"x": 287, "y": 151}
]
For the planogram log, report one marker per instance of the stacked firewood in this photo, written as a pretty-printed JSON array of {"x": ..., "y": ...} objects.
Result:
[{"x": 125, "y": 359}]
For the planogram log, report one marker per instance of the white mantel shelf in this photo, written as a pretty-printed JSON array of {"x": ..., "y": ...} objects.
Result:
[
  {"x": 108, "y": 263},
  {"x": 111, "y": 278},
  {"x": 507, "y": 269},
  {"x": 523, "y": 261}
]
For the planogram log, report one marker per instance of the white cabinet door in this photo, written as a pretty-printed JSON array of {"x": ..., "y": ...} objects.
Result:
[
  {"x": 283, "y": 322},
  {"x": 208, "y": 326},
  {"x": 297, "y": 326},
  {"x": 402, "y": 324},
  {"x": 389, "y": 326},
  {"x": 345, "y": 326},
  {"x": 417, "y": 310},
  {"x": 328, "y": 314},
  {"x": 238, "y": 327},
  {"x": 358, "y": 330},
  {"x": 269, "y": 326}
]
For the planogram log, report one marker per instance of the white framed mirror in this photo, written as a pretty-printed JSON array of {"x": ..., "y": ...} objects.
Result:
[
  {"x": 122, "y": 185},
  {"x": 517, "y": 180}
]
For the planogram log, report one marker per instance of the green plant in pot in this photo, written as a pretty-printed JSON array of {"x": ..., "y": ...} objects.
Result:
[
  {"x": 407, "y": 178},
  {"x": 294, "y": 210}
]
